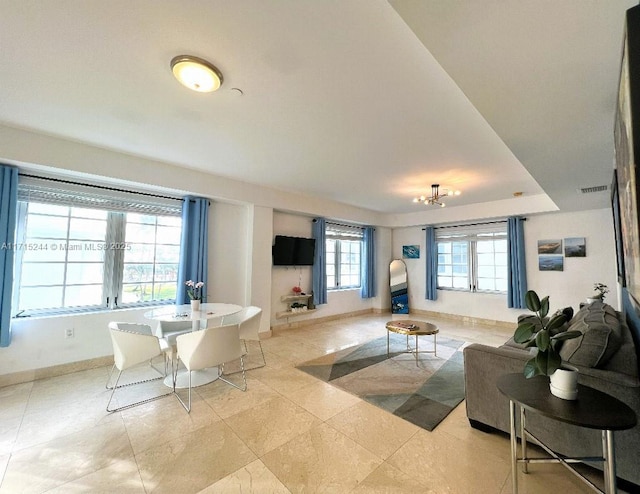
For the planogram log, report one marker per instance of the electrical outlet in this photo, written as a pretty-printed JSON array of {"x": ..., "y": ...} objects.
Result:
[{"x": 69, "y": 333}]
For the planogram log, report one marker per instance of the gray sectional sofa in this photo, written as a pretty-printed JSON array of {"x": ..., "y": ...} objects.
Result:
[{"x": 606, "y": 358}]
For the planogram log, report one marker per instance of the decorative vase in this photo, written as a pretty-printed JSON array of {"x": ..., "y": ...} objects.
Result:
[
  {"x": 195, "y": 305},
  {"x": 564, "y": 383}
]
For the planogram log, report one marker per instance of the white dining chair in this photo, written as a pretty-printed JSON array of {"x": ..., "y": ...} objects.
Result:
[
  {"x": 134, "y": 344},
  {"x": 170, "y": 330},
  {"x": 208, "y": 348},
  {"x": 248, "y": 320}
]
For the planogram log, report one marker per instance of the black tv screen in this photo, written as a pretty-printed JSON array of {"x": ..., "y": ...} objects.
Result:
[
  {"x": 283, "y": 250},
  {"x": 304, "y": 252},
  {"x": 293, "y": 251}
]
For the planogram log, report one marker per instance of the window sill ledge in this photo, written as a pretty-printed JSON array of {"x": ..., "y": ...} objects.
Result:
[{"x": 87, "y": 312}]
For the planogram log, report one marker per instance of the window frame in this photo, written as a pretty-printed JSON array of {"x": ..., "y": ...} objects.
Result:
[
  {"x": 340, "y": 233},
  {"x": 116, "y": 203},
  {"x": 471, "y": 235}
]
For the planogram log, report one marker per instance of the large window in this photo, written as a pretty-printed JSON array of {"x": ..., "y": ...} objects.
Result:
[
  {"x": 80, "y": 251},
  {"x": 473, "y": 258},
  {"x": 343, "y": 254},
  {"x": 151, "y": 257}
]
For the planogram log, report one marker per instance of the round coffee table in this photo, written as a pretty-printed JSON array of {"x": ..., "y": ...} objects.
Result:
[{"x": 413, "y": 328}]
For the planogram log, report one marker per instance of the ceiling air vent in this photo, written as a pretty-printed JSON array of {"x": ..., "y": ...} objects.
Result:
[{"x": 597, "y": 188}]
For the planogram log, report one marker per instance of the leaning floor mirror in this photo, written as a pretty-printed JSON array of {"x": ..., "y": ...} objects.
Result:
[{"x": 398, "y": 285}]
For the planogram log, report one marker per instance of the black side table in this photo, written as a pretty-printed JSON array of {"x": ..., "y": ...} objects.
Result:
[{"x": 593, "y": 409}]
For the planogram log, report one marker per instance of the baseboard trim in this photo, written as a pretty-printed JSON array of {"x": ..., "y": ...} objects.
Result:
[
  {"x": 465, "y": 319},
  {"x": 319, "y": 320},
  {"x": 425, "y": 313},
  {"x": 54, "y": 371}
]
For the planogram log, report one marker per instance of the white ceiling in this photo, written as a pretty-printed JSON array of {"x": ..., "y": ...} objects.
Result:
[{"x": 365, "y": 102}]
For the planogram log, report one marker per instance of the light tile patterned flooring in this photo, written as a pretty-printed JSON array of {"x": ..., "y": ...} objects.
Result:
[{"x": 288, "y": 433}]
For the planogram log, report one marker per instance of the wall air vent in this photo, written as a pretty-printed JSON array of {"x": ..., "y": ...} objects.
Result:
[{"x": 597, "y": 188}]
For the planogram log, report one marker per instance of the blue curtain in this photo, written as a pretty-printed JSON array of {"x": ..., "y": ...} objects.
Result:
[
  {"x": 8, "y": 210},
  {"x": 431, "y": 291},
  {"x": 319, "y": 282},
  {"x": 194, "y": 246},
  {"x": 516, "y": 264},
  {"x": 368, "y": 282}
]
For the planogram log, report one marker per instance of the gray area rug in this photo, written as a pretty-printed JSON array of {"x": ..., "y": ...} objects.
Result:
[{"x": 423, "y": 395}]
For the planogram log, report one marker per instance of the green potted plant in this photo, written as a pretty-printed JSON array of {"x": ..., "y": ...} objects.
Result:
[
  {"x": 601, "y": 290},
  {"x": 546, "y": 339}
]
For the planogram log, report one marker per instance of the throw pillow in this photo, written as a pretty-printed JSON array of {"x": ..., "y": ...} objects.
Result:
[
  {"x": 537, "y": 326},
  {"x": 601, "y": 336},
  {"x": 568, "y": 314}
]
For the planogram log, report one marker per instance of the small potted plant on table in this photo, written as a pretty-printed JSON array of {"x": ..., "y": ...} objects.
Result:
[
  {"x": 601, "y": 290},
  {"x": 194, "y": 292},
  {"x": 547, "y": 340}
]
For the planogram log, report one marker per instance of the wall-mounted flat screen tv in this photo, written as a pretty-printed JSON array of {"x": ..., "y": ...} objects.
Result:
[{"x": 293, "y": 251}]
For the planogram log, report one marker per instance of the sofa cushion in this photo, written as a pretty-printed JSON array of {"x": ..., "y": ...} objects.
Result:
[
  {"x": 512, "y": 344},
  {"x": 625, "y": 360},
  {"x": 601, "y": 336}
]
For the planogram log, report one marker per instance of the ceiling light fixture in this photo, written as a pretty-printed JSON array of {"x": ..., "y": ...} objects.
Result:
[
  {"x": 436, "y": 195},
  {"x": 196, "y": 73}
]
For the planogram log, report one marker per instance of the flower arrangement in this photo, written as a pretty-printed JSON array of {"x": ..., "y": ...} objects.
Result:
[
  {"x": 297, "y": 290},
  {"x": 194, "y": 290}
]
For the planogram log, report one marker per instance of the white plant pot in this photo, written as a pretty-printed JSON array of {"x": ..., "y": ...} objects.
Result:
[
  {"x": 564, "y": 384},
  {"x": 591, "y": 300},
  {"x": 195, "y": 305}
]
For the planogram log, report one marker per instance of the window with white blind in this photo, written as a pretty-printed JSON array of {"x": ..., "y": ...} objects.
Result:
[
  {"x": 81, "y": 248},
  {"x": 473, "y": 257},
  {"x": 343, "y": 256}
]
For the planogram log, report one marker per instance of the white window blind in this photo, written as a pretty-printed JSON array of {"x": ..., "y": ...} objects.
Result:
[
  {"x": 475, "y": 231},
  {"x": 345, "y": 232},
  {"x": 32, "y": 189}
]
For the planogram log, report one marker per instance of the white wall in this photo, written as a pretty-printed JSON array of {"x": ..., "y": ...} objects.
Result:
[
  {"x": 228, "y": 253},
  {"x": 575, "y": 283},
  {"x": 284, "y": 278},
  {"x": 40, "y": 342},
  {"x": 259, "y": 279},
  {"x": 566, "y": 288},
  {"x": 382, "y": 300}
]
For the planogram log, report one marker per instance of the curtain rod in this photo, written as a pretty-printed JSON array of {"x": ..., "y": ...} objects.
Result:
[
  {"x": 473, "y": 224},
  {"x": 103, "y": 187},
  {"x": 329, "y": 222}
]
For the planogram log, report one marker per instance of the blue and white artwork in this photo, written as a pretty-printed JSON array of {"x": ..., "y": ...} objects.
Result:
[
  {"x": 575, "y": 247},
  {"x": 411, "y": 252},
  {"x": 550, "y": 263}
]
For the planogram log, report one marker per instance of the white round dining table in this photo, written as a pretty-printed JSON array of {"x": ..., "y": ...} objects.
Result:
[{"x": 199, "y": 318}]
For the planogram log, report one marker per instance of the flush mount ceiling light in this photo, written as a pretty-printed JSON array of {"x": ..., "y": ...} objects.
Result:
[
  {"x": 436, "y": 195},
  {"x": 196, "y": 73}
]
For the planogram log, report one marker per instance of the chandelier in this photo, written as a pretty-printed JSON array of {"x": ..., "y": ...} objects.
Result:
[{"x": 436, "y": 196}]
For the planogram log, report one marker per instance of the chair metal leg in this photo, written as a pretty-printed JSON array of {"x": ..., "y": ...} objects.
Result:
[
  {"x": 162, "y": 375},
  {"x": 113, "y": 368},
  {"x": 131, "y": 405},
  {"x": 175, "y": 377},
  {"x": 259, "y": 366},
  {"x": 244, "y": 377}
]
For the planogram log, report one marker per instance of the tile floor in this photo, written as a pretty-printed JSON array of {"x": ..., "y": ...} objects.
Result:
[{"x": 288, "y": 433}]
